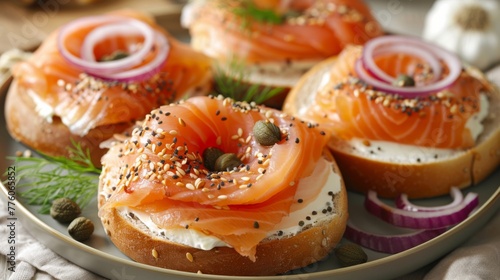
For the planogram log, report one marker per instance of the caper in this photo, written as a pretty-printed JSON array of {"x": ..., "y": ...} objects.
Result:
[
  {"x": 266, "y": 133},
  {"x": 210, "y": 156},
  {"x": 64, "y": 210},
  {"x": 119, "y": 54},
  {"x": 81, "y": 228},
  {"x": 404, "y": 81},
  {"x": 227, "y": 162},
  {"x": 350, "y": 254}
]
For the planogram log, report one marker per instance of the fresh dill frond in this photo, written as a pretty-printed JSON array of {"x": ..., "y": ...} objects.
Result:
[
  {"x": 230, "y": 82},
  {"x": 46, "y": 178},
  {"x": 248, "y": 10}
]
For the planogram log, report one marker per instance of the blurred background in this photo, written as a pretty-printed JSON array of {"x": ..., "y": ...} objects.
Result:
[{"x": 25, "y": 23}]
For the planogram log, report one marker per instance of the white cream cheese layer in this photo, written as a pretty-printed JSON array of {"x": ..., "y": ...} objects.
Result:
[
  {"x": 474, "y": 124},
  {"x": 281, "y": 74},
  {"x": 309, "y": 211},
  {"x": 43, "y": 109}
]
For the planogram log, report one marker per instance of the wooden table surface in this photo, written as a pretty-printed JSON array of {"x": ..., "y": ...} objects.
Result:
[{"x": 24, "y": 27}]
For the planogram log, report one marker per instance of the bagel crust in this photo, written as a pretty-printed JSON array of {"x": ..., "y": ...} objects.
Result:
[
  {"x": 274, "y": 256},
  {"x": 364, "y": 172},
  {"x": 52, "y": 138}
]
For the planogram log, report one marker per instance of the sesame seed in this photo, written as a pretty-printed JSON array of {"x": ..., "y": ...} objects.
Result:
[
  {"x": 189, "y": 257},
  {"x": 222, "y": 196},
  {"x": 181, "y": 122},
  {"x": 154, "y": 253},
  {"x": 199, "y": 183},
  {"x": 181, "y": 171},
  {"x": 190, "y": 186},
  {"x": 256, "y": 224},
  {"x": 172, "y": 132}
]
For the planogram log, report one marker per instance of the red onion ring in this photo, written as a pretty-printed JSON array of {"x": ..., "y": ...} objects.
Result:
[
  {"x": 403, "y": 203},
  {"x": 390, "y": 244},
  {"x": 421, "y": 220},
  {"x": 121, "y": 70},
  {"x": 366, "y": 65}
]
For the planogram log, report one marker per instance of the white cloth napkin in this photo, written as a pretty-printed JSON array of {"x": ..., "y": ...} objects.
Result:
[{"x": 478, "y": 258}]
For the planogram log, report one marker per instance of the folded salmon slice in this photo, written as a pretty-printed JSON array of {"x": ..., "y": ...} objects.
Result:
[
  {"x": 160, "y": 169},
  {"x": 311, "y": 30}
]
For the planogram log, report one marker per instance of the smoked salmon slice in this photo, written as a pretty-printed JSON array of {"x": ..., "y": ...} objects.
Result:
[
  {"x": 84, "y": 102},
  {"x": 272, "y": 31},
  {"x": 160, "y": 170},
  {"x": 350, "y": 108}
]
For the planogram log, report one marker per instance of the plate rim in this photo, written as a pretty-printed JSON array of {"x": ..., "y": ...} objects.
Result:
[{"x": 488, "y": 207}]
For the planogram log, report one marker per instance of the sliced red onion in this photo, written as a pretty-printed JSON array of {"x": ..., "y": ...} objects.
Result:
[
  {"x": 370, "y": 73},
  {"x": 421, "y": 220},
  {"x": 121, "y": 70},
  {"x": 390, "y": 244},
  {"x": 403, "y": 203}
]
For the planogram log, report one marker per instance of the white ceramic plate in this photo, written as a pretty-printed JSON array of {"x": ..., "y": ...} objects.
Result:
[{"x": 101, "y": 256}]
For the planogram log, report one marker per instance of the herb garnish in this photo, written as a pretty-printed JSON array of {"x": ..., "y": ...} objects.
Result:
[
  {"x": 46, "y": 178},
  {"x": 248, "y": 10},
  {"x": 230, "y": 82}
]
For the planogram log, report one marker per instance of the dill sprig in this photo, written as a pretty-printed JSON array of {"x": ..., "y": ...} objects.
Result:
[
  {"x": 46, "y": 178},
  {"x": 230, "y": 82},
  {"x": 248, "y": 10}
]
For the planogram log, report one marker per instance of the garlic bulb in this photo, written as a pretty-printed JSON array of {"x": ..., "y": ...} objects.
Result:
[{"x": 469, "y": 28}]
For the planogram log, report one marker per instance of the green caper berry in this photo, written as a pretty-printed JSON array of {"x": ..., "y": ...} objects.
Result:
[
  {"x": 210, "y": 156},
  {"x": 227, "y": 162},
  {"x": 81, "y": 228},
  {"x": 350, "y": 254},
  {"x": 404, "y": 81},
  {"x": 266, "y": 133},
  {"x": 64, "y": 210}
]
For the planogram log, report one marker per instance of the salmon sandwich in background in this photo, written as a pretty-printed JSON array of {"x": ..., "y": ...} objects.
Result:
[
  {"x": 406, "y": 117},
  {"x": 272, "y": 43},
  {"x": 95, "y": 77}
]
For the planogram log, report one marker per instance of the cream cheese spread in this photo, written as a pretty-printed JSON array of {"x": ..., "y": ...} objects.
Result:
[{"x": 308, "y": 211}]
